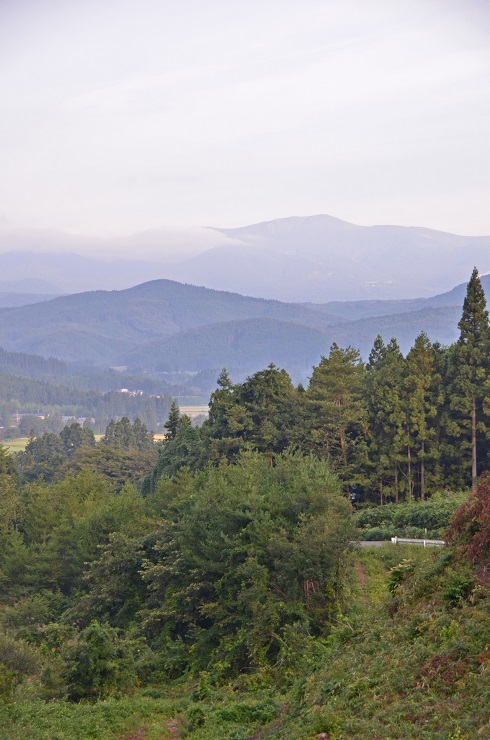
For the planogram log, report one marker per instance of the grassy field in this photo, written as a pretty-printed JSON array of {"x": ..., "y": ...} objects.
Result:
[
  {"x": 195, "y": 410},
  {"x": 18, "y": 444}
]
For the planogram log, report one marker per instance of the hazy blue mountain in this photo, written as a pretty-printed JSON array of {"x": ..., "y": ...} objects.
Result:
[
  {"x": 34, "y": 286},
  {"x": 254, "y": 343},
  {"x": 103, "y": 326},
  {"x": 320, "y": 258},
  {"x": 248, "y": 344},
  {"x": 164, "y": 326},
  {"x": 9, "y": 300},
  {"x": 352, "y": 310}
]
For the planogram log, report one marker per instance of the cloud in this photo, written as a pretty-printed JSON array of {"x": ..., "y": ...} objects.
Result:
[{"x": 167, "y": 245}]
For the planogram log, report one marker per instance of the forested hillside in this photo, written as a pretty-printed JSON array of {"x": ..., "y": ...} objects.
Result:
[
  {"x": 100, "y": 327},
  {"x": 209, "y": 586},
  {"x": 184, "y": 328}
]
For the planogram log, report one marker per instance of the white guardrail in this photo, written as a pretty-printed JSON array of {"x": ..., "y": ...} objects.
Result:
[{"x": 425, "y": 543}]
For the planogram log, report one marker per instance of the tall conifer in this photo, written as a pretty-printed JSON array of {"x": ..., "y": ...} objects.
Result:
[
  {"x": 337, "y": 413},
  {"x": 470, "y": 369},
  {"x": 422, "y": 385},
  {"x": 386, "y": 415}
]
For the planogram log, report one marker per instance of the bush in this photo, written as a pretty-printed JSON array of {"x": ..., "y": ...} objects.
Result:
[
  {"x": 457, "y": 586},
  {"x": 100, "y": 664},
  {"x": 409, "y": 519},
  {"x": 470, "y": 526}
]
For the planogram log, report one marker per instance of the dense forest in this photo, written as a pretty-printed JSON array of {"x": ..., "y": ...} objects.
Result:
[
  {"x": 393, "y": 429},
  {"x": 208, "y": 586}
]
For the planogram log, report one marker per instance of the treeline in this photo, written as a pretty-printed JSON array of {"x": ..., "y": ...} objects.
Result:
[
  {"x": 394, "y": 428},
  {"x": 27, "y": 396},
  {"x": 31, "y": 366},
  {"x": 124, "y": 454}
]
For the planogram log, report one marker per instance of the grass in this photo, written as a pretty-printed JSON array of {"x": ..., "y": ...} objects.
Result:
[
  {"x": 18, "y": 444},
  {"x": 104, "y": 720}
]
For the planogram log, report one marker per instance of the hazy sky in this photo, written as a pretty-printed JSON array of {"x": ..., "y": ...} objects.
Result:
[{"x": 124, "y": 115}]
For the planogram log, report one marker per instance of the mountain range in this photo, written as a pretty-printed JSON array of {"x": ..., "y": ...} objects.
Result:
[
  {"x": 316, "y": 259},
  {"x": 321, "y": 258},
  {"x": 164, "y": 327}
]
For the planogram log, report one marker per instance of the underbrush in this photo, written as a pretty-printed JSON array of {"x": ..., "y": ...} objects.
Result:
[
  {"x": 409, "y": 658},
  {"x": 417, "y": 519}
]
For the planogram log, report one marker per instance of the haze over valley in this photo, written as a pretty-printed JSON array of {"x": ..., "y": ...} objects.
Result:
[{"x": 298, "y": 259}]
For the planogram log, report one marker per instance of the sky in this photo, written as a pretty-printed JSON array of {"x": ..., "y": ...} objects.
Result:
[{"x": 157, "y": 116}]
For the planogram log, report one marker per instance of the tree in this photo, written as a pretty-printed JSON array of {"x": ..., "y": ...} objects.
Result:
[
  {"x": 43, "y": 457},
  {"x": 423, "y": 397},
  {"x": 386, "y": 416},
  {"x": 470, "y": 376},
  {"x": 261, "y": 412},
  {"x": 183, "y": 451},
  {"x": 99, "y": 664},
  {"x": 122, "y": 435},
  {"x": 337, "y": 414},
  {"x": 142, "y": 438},
  {"x": 10, "y": 499},
  {"x": 173, "y": 420},
  {"x": 75, "y": 436},
  {"x": 248, "y": 554}
]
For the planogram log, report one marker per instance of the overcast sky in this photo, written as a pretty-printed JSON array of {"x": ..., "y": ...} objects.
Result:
[{"x": 119, "y": 116}]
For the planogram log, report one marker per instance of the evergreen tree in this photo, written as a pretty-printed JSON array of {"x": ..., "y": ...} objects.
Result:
[
  {"x": 337, "y": 411},
  {"x": 424, "y": 398},
  {"x": 173, "y": 420},
  {"x": 142, "y": 438},
  {"x": 386, "y": 416},
  {"x": 75, "y": 436},
  {"x": 261, "y": 412},
  {"x": 470, "y": 376}
]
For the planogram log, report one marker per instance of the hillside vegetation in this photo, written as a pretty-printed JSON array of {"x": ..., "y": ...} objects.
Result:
[{"x": 211, "y": 586}]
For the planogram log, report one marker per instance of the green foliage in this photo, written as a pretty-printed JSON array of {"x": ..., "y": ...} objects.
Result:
[
  {"x": 105, "y": 720},
  {"x": 17, "y": 661},
  {"x": 31, "y": 395},
  {"x": 428, "y": 517},
  {"x": 183, "y": 451},
  {"x": 398, "y": 574},
  {"x": 457, "y": 585},
  {"x": 469, "y": 378},
  {"x": 262, "y": 413},
  {"x": 337, "y": 413},
  {"x": 122, "y": 435},
  {"x": 244, "y": 550},
  {"x": 229, "y": 585},
  {"x": 172, "y": 423},
  {"x": 99, "y": 664}
]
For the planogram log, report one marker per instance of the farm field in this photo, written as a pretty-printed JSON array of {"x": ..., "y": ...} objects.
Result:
[
  {"x": 18, "y": 444},
  {"x": 194, "y": 411}
]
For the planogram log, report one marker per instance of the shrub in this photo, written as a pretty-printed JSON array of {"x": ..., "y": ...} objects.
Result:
[
  {"x": 470, "y": 526},
  {"x": 99, "y": 664}
]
